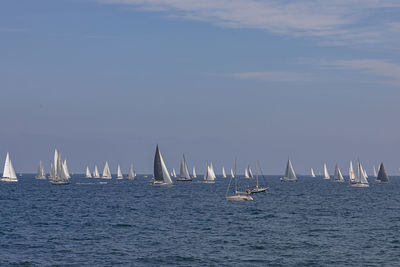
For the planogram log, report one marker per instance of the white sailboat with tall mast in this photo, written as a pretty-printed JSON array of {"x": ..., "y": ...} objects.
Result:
[
  {"x": 360, "y": 179},
  {"x": 326, "y": 173},
  {"x": 290, "y": 175},
  {"x": 232, "y": 174},
  {"x": 119, "y": 173},
  {"x": 9, "y": 174},
  {"x": 313, "y": 173},
  {"x": 96, "y": 173},
  {"x": 194, "y": 175},
  {"x": 59, "y": 176},
  {"x": 106, "y": 172},
  {"x": 65, "y": 166},
  {"x": 223, "y": 173},
  {"x": 131, "y": 173},
  {"x": 41, "y": 174},
  {"x": 257, "y": 189},
  {"x": 352, "y": 175},
  {"x": 338, "y": 177},
  {"x": 88, "y": 173},
  {"x": 160, "y": 176},
  {"x": 184, "y": 172},
  {"x": 237, "y": 196},
  {"x": 209, "y": 174}
]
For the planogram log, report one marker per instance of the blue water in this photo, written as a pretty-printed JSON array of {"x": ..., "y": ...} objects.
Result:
[{"x": 313, "y": 222}]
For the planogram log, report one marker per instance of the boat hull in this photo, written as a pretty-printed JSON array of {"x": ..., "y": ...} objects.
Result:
[
  {"x": 239, "y": 198},
  {"x": 9, "y": 180},
  {"x": 59, "y": 182},
  {"x": 257, "y": 190},
  {"x": 183, "y": 179},
  {"x": 359, "y": 185},
  {"x": 285, "y": 179}
]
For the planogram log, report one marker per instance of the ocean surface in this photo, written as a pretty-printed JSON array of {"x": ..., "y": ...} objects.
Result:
[{"x": 313, "y": 222}]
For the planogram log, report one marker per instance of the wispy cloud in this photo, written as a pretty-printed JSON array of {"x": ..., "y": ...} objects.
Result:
[
  {"x": 273, "y": 76},
  {"x": 339, "y": 22}
]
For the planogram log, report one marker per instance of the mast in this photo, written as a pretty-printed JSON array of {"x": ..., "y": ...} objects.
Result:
[{"x": 160, "y": 174}]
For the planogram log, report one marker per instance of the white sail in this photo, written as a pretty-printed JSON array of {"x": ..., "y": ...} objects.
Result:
[
  {"x": 184, "y": 172},
  {"x": 173, "y": 173},
  {"x": 119, "y": 173},
  {"x": 9, "y": 174},
  {"x": 194, "y": 175},
  {"x": 160, "y": 175},
  {"x": 212, "y": 172},
  {"x": 96, "y": 173},
  {"x": 223, "y": 173},
  {"x": 88, "y": 174},
  {"x": 209, "y": 174},
  {"x": 246, "y": 173},
  {"x": 65, "y": 166},
  {"x": 131, "y": 173},
  {"x": 52, "y": 170},
  {"x": 312, "y": 173},
  {"x": 290, "y": 175},
  {"x": 59, "y": 176},
  {"x": 375, "y": 173},
  {"x": 360, "y": 179},
  {"x": 106, "y": 172},
  {"x": 326, "y": 173},
  {"x": 40, "y": 173},
  {"x": 232, "y": 174},
  {"x": 352, "y": 175},
  {"x": 338, "y": 177},
  {"x": 250, "y": 171}
]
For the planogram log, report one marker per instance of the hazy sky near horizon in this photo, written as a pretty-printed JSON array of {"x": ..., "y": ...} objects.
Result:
[{"x": 315, "y": 80}]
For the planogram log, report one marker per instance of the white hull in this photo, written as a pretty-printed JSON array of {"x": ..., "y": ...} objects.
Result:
[
  {"x": 7, "y": 179},
  {"x": 59, "y": 182},
  {"x": 338, "y": 181},
  {"x": 106, "y": 177},
  {"x": 285, "y": 179},
  {"x": 183, "y": 179},
  {"x": 119, "y": 178},
  {"x": 207, "y": 182},
  {"x": 359, "y": 185},
  {"x": 40, "y": 178},
  {"x": 257, "y": 190},
  {"x": 156, "y": 183},
  {"x": 239, "y": 197}
]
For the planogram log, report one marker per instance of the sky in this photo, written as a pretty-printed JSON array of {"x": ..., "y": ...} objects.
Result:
[{"x": 317, "y": 81}]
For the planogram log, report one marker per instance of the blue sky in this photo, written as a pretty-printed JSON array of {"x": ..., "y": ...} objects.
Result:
[{"x": 109, "y": 79}]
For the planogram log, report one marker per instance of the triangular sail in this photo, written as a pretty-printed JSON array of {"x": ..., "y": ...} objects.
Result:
[
  {"x": 194, "y": 173},
  {"x": 352, "y": 175},
  {"x": 250, "y": 171},
  {"x": 160, "y": 170},
  {"x": 289, "y": 172},
  {"x": 106, "y": 171},
  {"x": 360, "y": 176},
  {"x": 41, "y": 173},
  {"x": 59, "y": 172},
  {"x": 382, "y": 176},
  {"x": 223, "y": 173},
  {"x": 326, "y": 173},
  {"x": 375, "y": 174},
  {"x": 88, "y": 174},
  {"x": 96, "y": 173},
  {"x": 184, "y": 172},
  {"x": 246, "y": 173},
  {"x": 232, "y": 174},
  {"x": 119, "y": 173},
  {"x": 65, "y": 166},
  {"x": 338, "y": 174},
  {"x": 312, "y": 173},
  {"x": 9, "y": 171},
  {"x": 131, "y": 173}
]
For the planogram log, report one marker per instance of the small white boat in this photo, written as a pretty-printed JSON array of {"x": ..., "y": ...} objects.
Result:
[
  {"x": 184, "y": 172},
  {"x": 106, "y": 172},
  {"x": 9, "y": 174},
  {"x": 290, "y": 175},
  {"x": 119, "y": 173},
  {"x": 96, "y": 173}
]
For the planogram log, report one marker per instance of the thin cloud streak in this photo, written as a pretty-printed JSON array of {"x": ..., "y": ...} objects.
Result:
[
  {"x": 273, "y": 76},
  {"x": 340, "y": 22}
]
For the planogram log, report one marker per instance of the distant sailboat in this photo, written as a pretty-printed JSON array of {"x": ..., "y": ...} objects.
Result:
[
  {"x": 184, "y": 172},
  {"x": 160, "y": 175},
  {"x": 66, "y": 169},
  {"x": 173, "y": 173},
  {"x": 246, "y": 173},
  {"x": 209, "y": 174},
  {"x": 194, "y": 175},
  {"x": 88, "y": 174},
  {"x": 352, "y": 176},
  {"x": 360, "y": 179},
  {"x": 131, "y": 173},
  {"x": 237, "y": 196},
  {"x": 59, "y": 176},
  {"x": 375, "y": 174},
  {"x": 232, "y": 174},
  {"x": 326, "y": 173},
  {"x": 119, "y": 173},
  {"x": 312, "y": 173},
  {"x": 223, "y": 173},
  {"x": 41, "y": 174},
  {"x": 290, "y": 175},
  {"x": 9, "y": 174},
  {"x": 106, "y": 172},
  {"x": 382, "y": 176},
  {"x": 96, "y": 173},
  {"x": 257, "y": 189},
  {"x": 338, "y": 177}
]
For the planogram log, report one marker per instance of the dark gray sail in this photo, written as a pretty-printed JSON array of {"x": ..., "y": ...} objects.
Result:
[
  {"x": 382, "y": 176},
  {"x": 158, "y": 172}
]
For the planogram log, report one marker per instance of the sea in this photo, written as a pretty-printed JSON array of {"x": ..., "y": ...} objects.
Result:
[{"x": 95, "y": 222}]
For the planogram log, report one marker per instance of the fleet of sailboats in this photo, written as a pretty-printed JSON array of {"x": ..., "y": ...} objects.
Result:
[{"x": 9, "y": 174}]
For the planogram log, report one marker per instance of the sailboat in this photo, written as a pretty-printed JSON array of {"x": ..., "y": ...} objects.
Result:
[
  {"x": 352, "y": 176},
  {"x": 326, "y": 173},
  {"x": 184, "y": 172},
  {"x": 238, "y": 196},
  {"x": 375, "y": 174},
  {"x": 338, "y": 177},
  {"x": 66, "y": 169},
  {"x": 257, "y": 189},
  {"x": 209, "y": 174},
  {"x": 223, "y": 173},
  {"x": 106, "y": 172},
  {"x": 96, "y": 173},
  {"x": 88, "y": 174},
  {"x": 59, "y": 176},
  {"x": 382, "y": 176},
  {"x": 246, "y": 173},
  {"x": 290, "y": 175},
  {"x": 9, "y": 174},
  {"x": 232, "y": 174},
  {"x": 313, "y": 173},
  {"x": 160, "y": 175},
  {"x": 173, "y": 173},
  {"x": 360, "y": 179},
  {"x": 119, "y": 173},
  {"x": 194, "y": 175},
  {"x": 40, "y": 173},
  {"x": 131, "y": 173}
]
